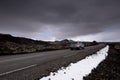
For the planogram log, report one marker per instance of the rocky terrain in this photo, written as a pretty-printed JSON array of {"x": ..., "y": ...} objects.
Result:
[
  {"x": 109, "y": 69},
  {"x": 17, "y": 45},
  {"x": 13, "y": 45}
]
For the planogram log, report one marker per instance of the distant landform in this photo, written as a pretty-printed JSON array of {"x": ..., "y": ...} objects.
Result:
[{"x": 18, "y": 45}]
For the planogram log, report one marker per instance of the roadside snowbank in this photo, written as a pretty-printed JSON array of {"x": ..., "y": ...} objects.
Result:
[{"x": 80, "y": 69}]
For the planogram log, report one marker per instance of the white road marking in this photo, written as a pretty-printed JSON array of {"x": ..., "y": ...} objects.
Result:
[{"x": 17, "y": 70}]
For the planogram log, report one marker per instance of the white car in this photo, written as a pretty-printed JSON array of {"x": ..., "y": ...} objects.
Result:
[{"x": 77, "y": 46}]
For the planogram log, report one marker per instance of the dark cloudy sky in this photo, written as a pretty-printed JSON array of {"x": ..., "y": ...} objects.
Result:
[{"x": 85, "y": 20}]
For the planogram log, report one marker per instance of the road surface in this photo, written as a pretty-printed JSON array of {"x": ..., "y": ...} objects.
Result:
[{"x": 14, "y": 63}]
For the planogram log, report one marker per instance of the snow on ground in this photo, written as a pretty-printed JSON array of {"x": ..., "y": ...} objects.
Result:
[{"x": 76, "y": 71}]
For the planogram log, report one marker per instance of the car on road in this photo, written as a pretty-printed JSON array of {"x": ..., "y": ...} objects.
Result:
[{"x": 77, "y": 46}]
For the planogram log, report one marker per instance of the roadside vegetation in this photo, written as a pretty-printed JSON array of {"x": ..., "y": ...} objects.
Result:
[{"x": 19, "y": 45}]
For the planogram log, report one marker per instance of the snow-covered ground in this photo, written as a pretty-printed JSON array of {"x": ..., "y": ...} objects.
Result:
[{"x": 76, "y": 71}]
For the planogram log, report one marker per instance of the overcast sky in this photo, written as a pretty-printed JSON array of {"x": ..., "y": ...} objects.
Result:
[{"x": 84, "y": 20}]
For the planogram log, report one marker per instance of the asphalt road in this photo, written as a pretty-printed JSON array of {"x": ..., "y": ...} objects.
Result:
[{"x": 13, "y": 63}]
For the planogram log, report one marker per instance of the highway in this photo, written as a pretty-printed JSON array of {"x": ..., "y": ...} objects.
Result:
[{"x": 13, "y": 63}]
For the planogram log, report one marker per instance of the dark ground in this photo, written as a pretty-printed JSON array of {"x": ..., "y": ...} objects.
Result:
[{"x": 109, "y": 69}]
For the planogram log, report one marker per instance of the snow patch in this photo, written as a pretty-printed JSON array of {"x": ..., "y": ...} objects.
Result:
[{"x": 76, "y": 71}]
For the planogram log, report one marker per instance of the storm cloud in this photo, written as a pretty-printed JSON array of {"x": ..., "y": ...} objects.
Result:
[{"x": 61, "y": 19}]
